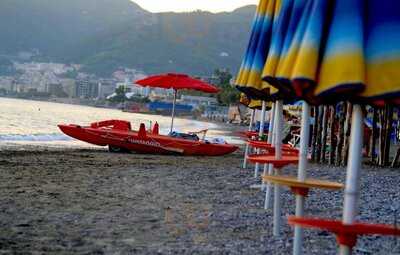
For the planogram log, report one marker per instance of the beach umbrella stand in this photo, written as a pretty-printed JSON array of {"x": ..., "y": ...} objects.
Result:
[
  {"x": 301, "y": 185},
  {"x": 268, "y": 168},
  {"x": 278, "y": 155},
  {"x": 348, "y": 229},
  {"x": 260, "y": 135},
  {"x": 246, "y": 151},
  {"x": 301, "y": 175},
  {"x": 278, "y": 160},
  {"x": 303, "y": 50}
]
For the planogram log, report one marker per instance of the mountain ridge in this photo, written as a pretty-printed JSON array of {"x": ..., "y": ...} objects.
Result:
[{"x": 106, "y": 34}]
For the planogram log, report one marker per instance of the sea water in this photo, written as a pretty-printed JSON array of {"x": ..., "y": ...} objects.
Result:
[{"x": 35, "y": 122}]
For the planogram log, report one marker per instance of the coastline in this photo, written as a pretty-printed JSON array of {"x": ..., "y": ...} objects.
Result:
[{"x": 68, "y": 200}]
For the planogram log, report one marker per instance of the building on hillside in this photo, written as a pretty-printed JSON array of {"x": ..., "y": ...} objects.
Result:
[
  {"x": 7, "y": 83},
  {"x": 56, "y": 90},
  {"x": 69, "y": 87},
  {"x": 106, "y": 88},
  {"x": 86, "y": 88}
]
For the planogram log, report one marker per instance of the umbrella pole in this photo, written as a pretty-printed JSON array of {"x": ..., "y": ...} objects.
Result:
[
  {"x": 278, "y": 155},
  {"x": 173, "y": 110},
  {"x": 271, "y": 140},
  {"x": 351, "y": 193},
  {"x": 301, "y": 175},
  {"x": 246, "y": 152},
  {"x": 260, "y": 134}
]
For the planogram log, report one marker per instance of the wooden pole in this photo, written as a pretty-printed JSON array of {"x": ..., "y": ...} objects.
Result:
[
  {"x": 324, "y": 135},
  {"x": 389, "y": 120},
  {"x": 374, "y": 135},
  {"x": 341, "y": 133},
  {"x": 396, "y": 158},
  {"x": 314, "y": 134},
  {"x": 381, "y": 136},
  {"x": 317, "y": 156},
  {"x": 332, "y": 136},
  {"x": 346, "y": 134}
]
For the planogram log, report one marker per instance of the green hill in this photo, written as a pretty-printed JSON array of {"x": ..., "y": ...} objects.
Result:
[{"x": 106, "y": 34}]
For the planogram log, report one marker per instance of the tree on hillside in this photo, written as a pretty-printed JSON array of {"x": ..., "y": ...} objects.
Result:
[
  {"x": 119, "y": 96},
  {"x": 228, "y": 94}
]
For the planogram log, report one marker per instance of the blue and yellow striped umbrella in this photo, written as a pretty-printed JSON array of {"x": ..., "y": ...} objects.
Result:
[
  {"x": 249, "y": 78},
  {"x": 382, "y": 51},
  {"x": 324, "y": 51}
]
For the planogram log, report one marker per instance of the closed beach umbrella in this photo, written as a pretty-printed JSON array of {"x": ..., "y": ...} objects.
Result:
[
  {"x": 176, "y": 82},
  {"x": 249, "y": 77},
  {"x": 325, "y": 52}
]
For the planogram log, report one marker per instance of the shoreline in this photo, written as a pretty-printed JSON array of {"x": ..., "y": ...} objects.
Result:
[{"x": 91, "y": 201}]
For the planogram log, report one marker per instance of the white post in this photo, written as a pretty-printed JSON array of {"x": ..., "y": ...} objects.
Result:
[
  {"x": 246, "y": 152},
  {"x": 260, "y": 134},
  {"x": 301, "y": 175},
  {"x": 351, "y": 192},
  {"x": 173, "y": 110},
  {"x": 269, "y": 167},
  {"x": 278, "y": 155}
]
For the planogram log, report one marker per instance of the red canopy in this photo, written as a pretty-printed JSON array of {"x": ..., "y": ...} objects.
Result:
[{"x": 176, "y": 81}]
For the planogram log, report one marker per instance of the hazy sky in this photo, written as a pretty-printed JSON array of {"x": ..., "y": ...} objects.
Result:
[{"x": 190, "y": 5}]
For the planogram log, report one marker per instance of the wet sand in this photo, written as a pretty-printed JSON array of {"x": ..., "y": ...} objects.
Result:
[{"x": 89, "y": 201}]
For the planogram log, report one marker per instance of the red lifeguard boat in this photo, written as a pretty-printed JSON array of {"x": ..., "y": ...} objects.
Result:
[{"x": 118, "y": 135}]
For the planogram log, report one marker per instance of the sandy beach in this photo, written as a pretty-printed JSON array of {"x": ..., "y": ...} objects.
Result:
[{"x": 89, "y": 201}]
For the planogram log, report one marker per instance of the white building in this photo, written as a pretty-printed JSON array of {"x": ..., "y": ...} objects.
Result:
[{"x": 106, "y": 88}]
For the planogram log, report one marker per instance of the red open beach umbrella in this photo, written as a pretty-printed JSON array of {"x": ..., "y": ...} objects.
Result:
[{"x": 176, "y": 82}]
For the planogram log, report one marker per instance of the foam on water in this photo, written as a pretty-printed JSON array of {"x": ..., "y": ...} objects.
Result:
[{"x": 35, "y": 138}]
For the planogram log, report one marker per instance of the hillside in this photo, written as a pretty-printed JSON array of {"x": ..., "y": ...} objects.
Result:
[{"x": 106, "y": 34}]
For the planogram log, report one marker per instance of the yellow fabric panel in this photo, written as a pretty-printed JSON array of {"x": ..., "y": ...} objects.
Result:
[
  {"x": 305, "y": 65},
  {"x": 341, "y": 69},
  {"x": 383, "y": 78},
  {"x": 255, "y": 104},
  {"x": 286, "y": 64},
  {"x": 254, "y": 79},
  {"x": 262, "y": 8},
  {"x": 270, "y": 66},
  {"x": 239, "y": 79}
]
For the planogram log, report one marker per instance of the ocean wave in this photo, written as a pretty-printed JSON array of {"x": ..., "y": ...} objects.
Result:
[{"x": 35, "y": 138}]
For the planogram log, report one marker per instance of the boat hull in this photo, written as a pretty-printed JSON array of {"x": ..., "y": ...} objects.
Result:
[{"x": 147, "y": 143}]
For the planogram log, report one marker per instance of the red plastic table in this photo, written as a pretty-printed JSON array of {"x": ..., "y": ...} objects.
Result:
[
  {"x": 345, "y": 234},
  {"x": 270, "y": 159},
  {"x": 265, "y": 145},
  {"x": 250, "y": 134}
]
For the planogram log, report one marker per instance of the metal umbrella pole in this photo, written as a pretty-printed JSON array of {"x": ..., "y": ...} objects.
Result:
[
  {"x": 351, "y": 193},
  {"x": 301, "y": 175},
  {"x": 268, "y": 168},
  {"x": 260, "y": 134},
  {"x": 173, "y": 110},
  {"x": 278, "y": 155},
  {"x": 246, "y": 152}
]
